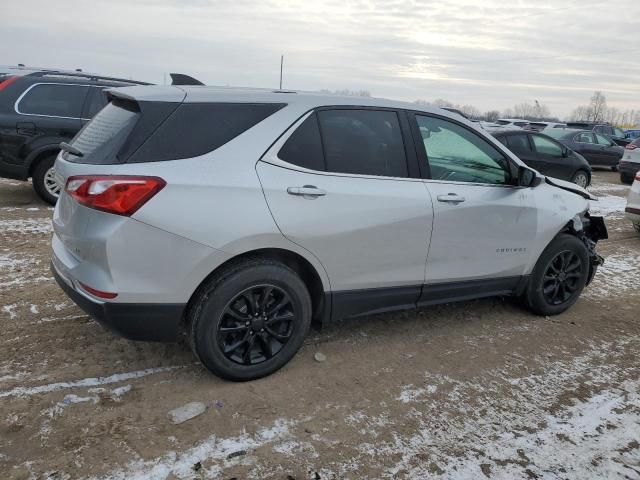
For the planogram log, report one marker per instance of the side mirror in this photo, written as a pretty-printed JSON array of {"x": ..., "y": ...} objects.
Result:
[{"x": 526, "y": 177}]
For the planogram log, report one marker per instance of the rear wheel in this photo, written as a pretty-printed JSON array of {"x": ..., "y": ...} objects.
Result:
[
  {"x": 250, "y": 319},
  {"x": 559, "y": 276},
  {"x": 581, "y": 178},
  {"x": 44, "y": 181}
]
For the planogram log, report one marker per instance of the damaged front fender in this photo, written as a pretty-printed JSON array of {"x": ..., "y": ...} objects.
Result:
[{"x": 590, "y": 230}]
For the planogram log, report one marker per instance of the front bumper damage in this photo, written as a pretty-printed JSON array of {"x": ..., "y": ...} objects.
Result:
[{"x": 590, "y": 230}]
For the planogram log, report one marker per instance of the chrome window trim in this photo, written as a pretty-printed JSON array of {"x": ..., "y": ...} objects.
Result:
[{"x": 17, "y": 110}]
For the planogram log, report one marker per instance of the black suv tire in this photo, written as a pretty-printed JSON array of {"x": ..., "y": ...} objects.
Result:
[
  {"x": 232, "y": 310},
  {"x": 552, "y": 269},
  {"x": 39, "y": 179}
]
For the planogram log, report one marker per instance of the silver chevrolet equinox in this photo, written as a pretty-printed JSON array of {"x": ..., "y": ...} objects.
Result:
[{"x": 236, "y": 217}]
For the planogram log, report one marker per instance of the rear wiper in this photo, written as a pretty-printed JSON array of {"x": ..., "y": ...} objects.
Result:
[{"x": 65, "y": 147}]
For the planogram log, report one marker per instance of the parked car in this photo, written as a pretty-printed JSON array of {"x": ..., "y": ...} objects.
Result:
[
  {"x": 605, "y": 129},
  {"x": 632, "y": 134},
  {"x": 226, "y": 216},
  {"x": 541, "y": 126},
  {"x": 630, "y": 163},
  {"x": 512, "y": 122},
  {"x": 633, "y": 203},
  {"x": 598, "y": 150},
  {"x": 547, "y": 156},
  {"x": 38, "y": 110}
]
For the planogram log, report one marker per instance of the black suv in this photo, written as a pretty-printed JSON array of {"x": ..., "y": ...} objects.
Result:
[
  {"x": 607, "y": 130},
  {"x": 39, "y": 109}
]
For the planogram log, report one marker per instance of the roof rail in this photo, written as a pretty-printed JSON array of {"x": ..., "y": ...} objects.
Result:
[{"x": 90, "y": 76}]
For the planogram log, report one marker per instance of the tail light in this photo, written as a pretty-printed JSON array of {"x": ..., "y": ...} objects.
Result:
[
  {"x": 117, "y": 194},
  {"x": 638, "y": 176},
  {"x": 630, "y": 146},
  {"x": 6, "y": 81}
]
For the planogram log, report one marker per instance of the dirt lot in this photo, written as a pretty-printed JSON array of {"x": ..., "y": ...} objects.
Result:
[{"x": 473, "y": 390}]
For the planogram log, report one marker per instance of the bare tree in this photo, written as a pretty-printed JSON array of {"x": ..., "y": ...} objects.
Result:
[
  {"x": 347, "y": 92},
  {"x": 597, "y": 107},
  {"x": 492, "y": 115}
]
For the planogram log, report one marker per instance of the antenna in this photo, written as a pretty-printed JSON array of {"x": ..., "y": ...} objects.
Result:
[{"x": 281, "y": 64}]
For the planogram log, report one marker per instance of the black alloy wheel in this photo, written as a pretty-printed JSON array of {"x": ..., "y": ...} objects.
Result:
[
  {"x": 562, "y": 278},
  {"x": 256, "y": 324}
]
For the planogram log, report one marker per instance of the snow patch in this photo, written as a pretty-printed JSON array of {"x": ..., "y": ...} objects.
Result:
[
  {"x": 619, "y": 274},
  {"x": 27, "y": 226},
  {"x": 608, "y": 206}
]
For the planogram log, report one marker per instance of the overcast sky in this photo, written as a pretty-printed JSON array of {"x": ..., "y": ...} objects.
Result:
[{"x": 488, "y": 53}]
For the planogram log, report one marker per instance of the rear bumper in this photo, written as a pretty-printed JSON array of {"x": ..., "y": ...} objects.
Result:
[{"x": 135, "y": 321}]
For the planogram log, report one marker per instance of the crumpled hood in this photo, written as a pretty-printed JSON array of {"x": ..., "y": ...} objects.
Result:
[{"x": 570, "y": 187}]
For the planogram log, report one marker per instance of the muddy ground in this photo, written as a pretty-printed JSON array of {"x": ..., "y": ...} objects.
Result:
[{"x": 475, "y": 390}]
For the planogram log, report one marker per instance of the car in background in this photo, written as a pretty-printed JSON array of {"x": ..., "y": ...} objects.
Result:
[
  {"x": 541, "y": 126},
  {"x": 39, "y": 109},
  {"x": 598, "y": 150},
  {"x": 632, "y": 134},
  {"x": 547, "y": 156},
  {"x": 632, "y": 209},
  {"x": 512, "y": 122},
  {"x": 607, "y": 130},
  {"x": 630, "y": 163}
]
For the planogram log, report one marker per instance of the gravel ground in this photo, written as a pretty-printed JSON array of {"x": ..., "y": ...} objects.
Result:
[{"x": 475, "y": 390}]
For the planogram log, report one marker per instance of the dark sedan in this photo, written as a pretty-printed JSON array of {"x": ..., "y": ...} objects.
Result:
[
  {"x": 598, "y": 150},
  {"x": 546, "y": 155}
]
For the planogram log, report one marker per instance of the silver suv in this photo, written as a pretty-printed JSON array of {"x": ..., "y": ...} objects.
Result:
[{"x": 236, "y": 217}]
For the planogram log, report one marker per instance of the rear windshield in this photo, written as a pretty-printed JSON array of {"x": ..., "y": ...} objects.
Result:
[{"x": 101, "y": 138}]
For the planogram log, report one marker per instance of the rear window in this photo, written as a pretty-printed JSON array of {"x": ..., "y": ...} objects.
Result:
[
  {"x": 198, "y": 128},
  {"x": 101, "y": 138},
  {"x": 53, "y": 100}
]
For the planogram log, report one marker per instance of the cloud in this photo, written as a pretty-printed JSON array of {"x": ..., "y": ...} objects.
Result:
[{"x": 491, "y": 54}]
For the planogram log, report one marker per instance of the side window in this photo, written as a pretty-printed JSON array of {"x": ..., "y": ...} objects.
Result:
[
  {"x": 457, "y": 154},
  {"x": 304, "y": 146},
  {"x": 603, "y": 140},
  {"x": 546, "y": 146},
  {"x": 599, "y": 129},
  {"x": 364, "y": 142},
  {"x": 618, "y": 133},
  {"x": 519, "y": 143},
  {"x": 584, "y": 137},
  {"x": 54, "y": 100},
  {"x": 95, "y": 101}
]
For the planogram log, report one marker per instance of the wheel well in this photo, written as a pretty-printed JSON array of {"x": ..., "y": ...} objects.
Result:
[
  {"x": 39, "y": 157},
  {"x": 296, "y": 262}
]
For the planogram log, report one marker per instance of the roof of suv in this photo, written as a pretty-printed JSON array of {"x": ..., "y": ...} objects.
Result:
[{"x": 202, "y": 94}]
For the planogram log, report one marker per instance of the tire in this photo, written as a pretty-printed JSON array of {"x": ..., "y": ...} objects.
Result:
[
  {"x": 637, "y": 227},
  {"x": 581, "y": 178},
  {"x": 626, "y": 179},
  {"x": 535, "y": 296},
  {"x": 222, "y": 303},
  {"x": 42, "y": 180}
]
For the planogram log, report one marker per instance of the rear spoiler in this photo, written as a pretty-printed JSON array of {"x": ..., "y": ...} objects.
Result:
[{"x": 182, "y": 79}]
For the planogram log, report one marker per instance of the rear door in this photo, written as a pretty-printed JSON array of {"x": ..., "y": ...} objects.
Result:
[
  {"x": 551, "y": 157},
  {"x": 521, "y": 146},
  {"x": 484, "y": 227},
  {"x": 589, "y": 149},
  {"x": 610, "y": 153},
  {"x": 49, "y": 113},
  {"x": 345, "y": 187}
]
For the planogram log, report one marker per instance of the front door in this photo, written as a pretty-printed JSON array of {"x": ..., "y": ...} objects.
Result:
[
  {"x": 348, "y": 198},
  {"x": 484, "y": 226}
]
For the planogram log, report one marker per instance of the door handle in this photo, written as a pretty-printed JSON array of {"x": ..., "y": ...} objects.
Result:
[
  {"x": 451, "y": 198},
  {"x": 307, "y": 191}
]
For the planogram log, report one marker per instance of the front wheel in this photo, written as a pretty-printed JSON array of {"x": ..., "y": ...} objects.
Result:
[
  {"x": 581, "y": 178},
  {"x": 250, "y": 319},
  {"x": 558, "y": 277},
  {"x": 44, "y": 180}
]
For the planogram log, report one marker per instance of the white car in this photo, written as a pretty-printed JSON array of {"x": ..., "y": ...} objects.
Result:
[
  {"x": 633, "y": 203},
  {"x": 235, "y": 217},
  {"x": 629, "y": 164}
]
